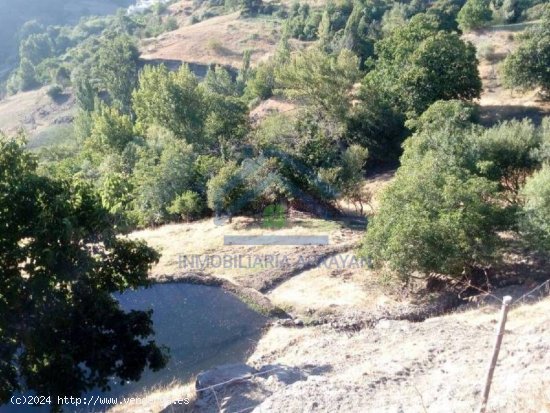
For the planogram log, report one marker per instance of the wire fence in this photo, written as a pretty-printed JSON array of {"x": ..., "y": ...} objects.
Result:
[{"x": 539, "y": 292}]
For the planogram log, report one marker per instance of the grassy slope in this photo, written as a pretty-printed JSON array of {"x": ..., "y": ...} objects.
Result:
[{"x": 498, "y": 103}]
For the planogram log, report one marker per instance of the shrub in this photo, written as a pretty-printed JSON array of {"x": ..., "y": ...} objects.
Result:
[
  {"x": 486, "y": 51},
  {"x": 188, "y": 205},
  {"x": 535, "y": 216},
  {"x": 214, "y": 45},
  {"x": 433, "y": 219},
  {"x": 527, "y": 67},
  {"x": 474, "y": 15},
  {"x": 225, "y": 190},
  {"x": 54, "y": 91}
]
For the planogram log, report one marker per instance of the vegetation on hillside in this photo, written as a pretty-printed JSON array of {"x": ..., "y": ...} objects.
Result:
[
  {"x": 380, "y": 83},
  {"x": 527, "y": 67}
]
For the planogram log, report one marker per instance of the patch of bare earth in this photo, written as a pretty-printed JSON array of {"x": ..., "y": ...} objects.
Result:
[
  {"x": 34, "y": 112},
  {"x": 438, "y": 365},
  {"x": 271, "y": 106},
  {"x": 218, "y": 40},
  {"x": 498, "y": 103}
]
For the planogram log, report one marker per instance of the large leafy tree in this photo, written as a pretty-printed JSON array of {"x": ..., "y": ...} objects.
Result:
[
  {"x": 165, "y": 169},
  {"x": 418, "y": 64},
  {"x": 433, "y": 219},
  {"x": 117, "y": 68},
  {"x": 474, "y": 15},
  {"x": 438, "y": 215},
  {"x": 321, "y": 80},
  {"x": 529, "y": 65},
  {"x": 61, "y": 331},
  {"x": 172, "y": 100},
  {"x": 535, "y": 220}
]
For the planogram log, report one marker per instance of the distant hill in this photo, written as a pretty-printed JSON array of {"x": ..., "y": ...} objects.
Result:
[{"x": 14, "y": 13}]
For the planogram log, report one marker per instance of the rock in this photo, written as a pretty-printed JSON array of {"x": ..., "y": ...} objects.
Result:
[{"x": 223, "y": 374}]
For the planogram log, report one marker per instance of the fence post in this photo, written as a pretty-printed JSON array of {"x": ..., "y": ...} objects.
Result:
[{"x": 496, "y": 349}]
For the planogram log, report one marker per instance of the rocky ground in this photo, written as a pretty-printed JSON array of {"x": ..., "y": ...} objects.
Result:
[{"x": 437, "y": 365}]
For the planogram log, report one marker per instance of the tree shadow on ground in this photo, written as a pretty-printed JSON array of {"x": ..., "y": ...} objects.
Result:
[
  {"x": 491, "y": 115},
  {"x": 248, "y": 392}
]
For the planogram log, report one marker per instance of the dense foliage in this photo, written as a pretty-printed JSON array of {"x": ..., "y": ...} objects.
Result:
[
  {"x": 458, "y": 185},
  {"x": 61, "y": 263},
  {"x": 527, "y": 67}
]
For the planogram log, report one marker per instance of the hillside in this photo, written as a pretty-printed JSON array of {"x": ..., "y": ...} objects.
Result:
[
  {"x": 37, "y": 114},
  {"x": 218, "y": 40},
  {"x": 498, "y": 103},
  {"x": 223, "y": 39},
  {"x": 398, "y": 366},
  {"x": 355, "y": 343},
  {"x": 15, "y": 13}
]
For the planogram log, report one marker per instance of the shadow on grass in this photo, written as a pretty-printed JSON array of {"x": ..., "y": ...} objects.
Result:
[{"x": 491, "y": 115}]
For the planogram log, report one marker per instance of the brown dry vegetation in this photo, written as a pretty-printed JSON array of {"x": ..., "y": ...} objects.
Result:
[
  {"x": 231, "y": 32},
  {"x": 498, "y": 103},
  {"x": 34, "y": 112}
]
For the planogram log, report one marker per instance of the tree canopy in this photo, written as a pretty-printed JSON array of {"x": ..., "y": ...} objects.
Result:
[
  {"x": 62, "y": 332},
  {"x": 418, "y": 64},
  {"x": 528, "y": 66}
]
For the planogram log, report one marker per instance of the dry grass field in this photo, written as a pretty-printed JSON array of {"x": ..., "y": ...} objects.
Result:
[{"x": 498, "y": 103}]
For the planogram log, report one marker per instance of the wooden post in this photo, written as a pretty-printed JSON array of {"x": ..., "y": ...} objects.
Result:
[{"x": 496, "y": 349}]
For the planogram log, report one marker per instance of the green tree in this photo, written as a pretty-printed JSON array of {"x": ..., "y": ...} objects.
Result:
[
  {"x": 226, "y": 124},
  {"x": 218, "y": 80},
  {"x": 528, "y": 66},
  {"x": 116, "y": 196},
  {"x": 351, "y": 176},
  {"x": 61, "y": 264},
  {"x": 419, "y": 64},
  {"x": 535, "y": 216},
  {"x": 354, "y": 38},
  {"x": 306, "y": 77},
  {"x": 36, "y": 48},
  {"x": 262, "y": 82},
  {"x": 188, "y": 205},
  {"x": 165, "y": 169},
  {"x": 244, "y": 72},
  {"x": 433, "y": 219},
  {"x": 172, "y": 100},
  {"x": 86, "y": 95},
  {"x": 506, "y": 154},
  {"x": 324, "y": 31},
  {"x": 446, "y": 12},
  {"x": 475, "y": 14},
  {"x": 226, "y": 190},
  {"x": 454, "y": 116},
  {"x": 110, "y": 130},
  {"x": 117, "y": 68},
  {"x": 26, "y": 75}
]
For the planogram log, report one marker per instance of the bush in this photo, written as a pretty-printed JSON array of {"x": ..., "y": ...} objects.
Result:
[
  {"x": 527, "y": 67},
  {"x": 474, "y": 15},
  {"x": 54, "y": 92},
  {"x": 433, "y": 219},
  {"x": 506, "y": 154},
  {"x": 188, "y": 205},
  {"x": 535, "y": 216},
  {"x": 214, "y": 45},
  {"x": 486, "y": 51},
  {"x": 226, "y": 190}
]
